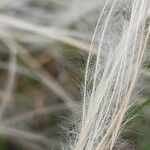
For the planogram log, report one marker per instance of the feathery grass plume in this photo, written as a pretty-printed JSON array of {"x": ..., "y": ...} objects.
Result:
[{"x": 110, "y": 79}]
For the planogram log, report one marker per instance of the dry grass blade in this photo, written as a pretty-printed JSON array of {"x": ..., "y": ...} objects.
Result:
[
  {"x": 6, "y": 97},
  {"x": 21, "y": 70},
  {"x": 24, "y": 135},
  {"x": 32, "y": 113},
  {"x": 16, "y": 23},
  {"x": 43, "y": 75}
]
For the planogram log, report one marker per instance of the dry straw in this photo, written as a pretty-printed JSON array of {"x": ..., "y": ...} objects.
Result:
[{"x": 109, "y": 88}]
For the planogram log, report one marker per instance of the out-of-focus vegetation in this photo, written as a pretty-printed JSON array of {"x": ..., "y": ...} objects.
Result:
[{"x": 43, "y": 51}]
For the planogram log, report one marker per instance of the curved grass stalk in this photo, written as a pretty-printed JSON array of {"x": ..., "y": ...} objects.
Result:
[
  {"x": 11, "y": 80},
  {"x": 17, "y": 23},
  {"x": 105, "y": 109},
  {"x": 43, "y": 75}
]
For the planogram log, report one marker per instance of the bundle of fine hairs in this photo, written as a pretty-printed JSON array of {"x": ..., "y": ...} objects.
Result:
[
  {"x": 111, "y": 73},
  {"x": 113, "y": 65}
]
